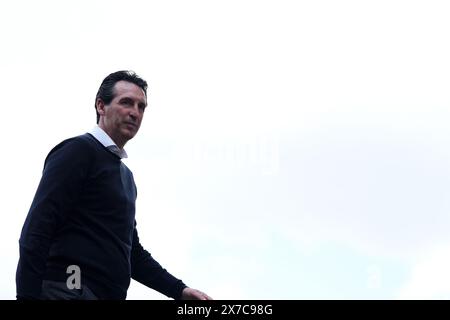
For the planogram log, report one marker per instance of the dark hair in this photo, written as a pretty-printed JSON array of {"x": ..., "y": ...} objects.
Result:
[{"x": 106, "y": 90}]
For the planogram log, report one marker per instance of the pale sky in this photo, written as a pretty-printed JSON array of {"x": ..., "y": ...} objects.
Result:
[{"x": 291, "y": 149}]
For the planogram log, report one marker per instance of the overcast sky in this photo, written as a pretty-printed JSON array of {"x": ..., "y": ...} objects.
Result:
[{"x": 291, "y": 149}]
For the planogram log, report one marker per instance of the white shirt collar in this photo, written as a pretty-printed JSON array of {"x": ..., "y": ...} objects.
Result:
[{"x": 106, "y": 140}]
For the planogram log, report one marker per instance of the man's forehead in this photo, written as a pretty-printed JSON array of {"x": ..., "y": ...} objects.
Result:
[
  {"x": 128, "y": 88},
  {"x": 122, "y": 86}
]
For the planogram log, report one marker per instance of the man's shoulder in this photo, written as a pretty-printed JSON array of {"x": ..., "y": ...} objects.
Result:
[
  {"x": 78, "y": 145},
  {"x": 79, "y": 142}
]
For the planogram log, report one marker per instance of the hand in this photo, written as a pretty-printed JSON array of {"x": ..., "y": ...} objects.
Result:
[{"x": 194, "y": 294}]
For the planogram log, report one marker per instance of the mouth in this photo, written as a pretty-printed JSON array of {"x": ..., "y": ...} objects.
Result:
[{"x": 131, "y": 124}]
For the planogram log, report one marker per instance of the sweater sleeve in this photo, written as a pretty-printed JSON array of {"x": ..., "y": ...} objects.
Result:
[
  {"x": 150, "y": 273},
  {"x": 64, "y": 174}
]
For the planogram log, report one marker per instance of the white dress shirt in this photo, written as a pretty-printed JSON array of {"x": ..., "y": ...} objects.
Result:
[{"x": 106, "y": 140}]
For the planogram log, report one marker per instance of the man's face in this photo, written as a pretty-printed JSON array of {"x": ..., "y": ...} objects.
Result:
[{"x": 122, "y": 118}]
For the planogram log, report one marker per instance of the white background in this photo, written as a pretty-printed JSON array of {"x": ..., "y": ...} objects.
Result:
[{"x": 291, "y": 149}]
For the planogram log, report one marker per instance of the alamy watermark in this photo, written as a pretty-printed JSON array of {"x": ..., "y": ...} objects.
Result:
[
  {"x": 259, "y": 154},
  {"x": 374, "y": 277},
  {"x": 74, "y": 280}
]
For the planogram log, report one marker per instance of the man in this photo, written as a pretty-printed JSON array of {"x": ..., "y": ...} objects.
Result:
[{"x": 79, "y": 240}]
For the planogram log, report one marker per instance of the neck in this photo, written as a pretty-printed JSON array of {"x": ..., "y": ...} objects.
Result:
[{"x": 116, "y": 140}]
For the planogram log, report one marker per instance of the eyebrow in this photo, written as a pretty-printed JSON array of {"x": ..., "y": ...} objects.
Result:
[{"x": 126, "y": 98}]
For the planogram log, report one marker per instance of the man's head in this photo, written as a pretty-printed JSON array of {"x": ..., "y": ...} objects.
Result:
[{"x": 120, "y": 104}]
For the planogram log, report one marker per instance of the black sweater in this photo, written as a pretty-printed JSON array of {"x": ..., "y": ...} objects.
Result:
[{"x": 83, "y": 214}]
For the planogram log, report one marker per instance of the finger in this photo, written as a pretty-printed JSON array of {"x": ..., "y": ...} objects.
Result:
[{"x": 206, "y": 297}]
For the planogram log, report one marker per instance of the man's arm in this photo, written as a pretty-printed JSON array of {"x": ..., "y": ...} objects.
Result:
[
  {"x": 64, "y": 173},
  {"x": 150, "y": 273}
]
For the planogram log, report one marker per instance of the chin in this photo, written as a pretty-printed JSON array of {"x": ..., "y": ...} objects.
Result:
[{"x": 128, "y": 135}]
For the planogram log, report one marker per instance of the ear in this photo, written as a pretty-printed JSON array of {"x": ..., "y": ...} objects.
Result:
[{"x": 100, "y": 105}]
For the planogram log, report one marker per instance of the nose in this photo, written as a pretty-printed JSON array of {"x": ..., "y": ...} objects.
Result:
[{"x": 134, "y": 112}]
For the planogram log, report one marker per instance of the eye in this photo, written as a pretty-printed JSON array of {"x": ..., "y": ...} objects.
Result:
[
  {"x": 126, "y": 102},
  {"x": 142, "y": 107}
]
